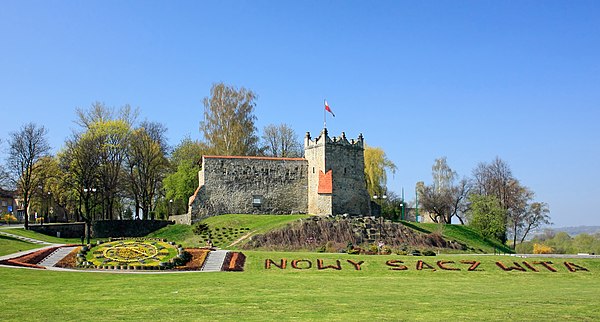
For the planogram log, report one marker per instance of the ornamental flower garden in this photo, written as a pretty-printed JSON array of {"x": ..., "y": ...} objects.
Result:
[{"x": 132, "y": 254}]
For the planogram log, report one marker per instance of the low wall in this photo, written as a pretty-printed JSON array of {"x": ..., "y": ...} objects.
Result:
[
  {"x": 126, "y": 228},
  {"x": 185, "y": 219},
  {"x": 68, "y": 230}
]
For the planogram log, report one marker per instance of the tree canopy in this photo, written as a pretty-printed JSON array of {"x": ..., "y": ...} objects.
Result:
[{"x": 229, "y": 121}]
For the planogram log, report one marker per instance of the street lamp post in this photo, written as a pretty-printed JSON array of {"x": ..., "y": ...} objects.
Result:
[
  {"x": 170, "y": 207},
  {"x": 382, "y": 198},
  {"x": 93, "y": 192}
]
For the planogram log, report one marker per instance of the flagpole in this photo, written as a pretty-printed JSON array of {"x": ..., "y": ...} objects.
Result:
[{"x": 324, "y": 117}]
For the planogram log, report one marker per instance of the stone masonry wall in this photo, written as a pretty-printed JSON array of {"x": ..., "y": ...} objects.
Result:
[
  {"x": 314, "y": 152},
  {"x": 346, "y": 161},
  {"x": 349, "y": 186},
  {"x": 233, "y": 184}
]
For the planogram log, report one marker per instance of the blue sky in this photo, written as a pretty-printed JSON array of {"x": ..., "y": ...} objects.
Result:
[{"x": 469, "y": 80}]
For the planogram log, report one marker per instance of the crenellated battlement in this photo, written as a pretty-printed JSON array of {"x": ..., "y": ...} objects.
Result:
[{"x": 324, "y": 138}]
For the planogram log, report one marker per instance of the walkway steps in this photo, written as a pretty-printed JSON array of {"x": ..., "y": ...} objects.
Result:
[
  {"x": 214, "y": 261},
  {"x": 56, "y": 256},
  {"x": 25, "y": 239}
]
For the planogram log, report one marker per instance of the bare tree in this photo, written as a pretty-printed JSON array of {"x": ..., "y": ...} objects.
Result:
[
  {"x": 26, "y": 147},
  {"x": 281, "y": 141},
  {"x": 228, "y": 125},
  {"x": 537, "y": 216},
  {"x": 98, "y": 112},
  {"x": 522, "y": 214},
  {"x": 445, "y": 198}
]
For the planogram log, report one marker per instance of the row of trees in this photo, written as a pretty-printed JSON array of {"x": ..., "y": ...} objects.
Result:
[
  {"x": 562, "y": 243},
  {"x": 114, "y": 167},
  {"x": 493, "y": 201}
]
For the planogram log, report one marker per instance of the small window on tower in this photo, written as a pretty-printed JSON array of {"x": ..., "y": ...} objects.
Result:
[
  {"x": 313, "y": 169},
  {"x": 257, "y": 201},
  {"x": 344, "y": 170}
]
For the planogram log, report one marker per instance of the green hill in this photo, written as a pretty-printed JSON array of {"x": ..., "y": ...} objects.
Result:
[
  {"x": 463, "y": 234},
  {"x": 225, "y": 230}
]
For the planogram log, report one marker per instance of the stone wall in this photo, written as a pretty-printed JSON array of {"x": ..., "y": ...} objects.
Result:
[
  {"x": 247, "y": 185},
  {"x": 184, "y": 219},
  {"x": 70, "y": 230},
  {"x": 126, "y": 228}
]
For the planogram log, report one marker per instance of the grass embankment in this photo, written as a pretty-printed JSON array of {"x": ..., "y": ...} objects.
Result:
[
  {"x": 244, "y": 226},
  {"x": 259, "y": 294},
  {"x": 50, "y": 239},
  {"x": 463, "y": 234},
  {"x": 9, "y": 245}
]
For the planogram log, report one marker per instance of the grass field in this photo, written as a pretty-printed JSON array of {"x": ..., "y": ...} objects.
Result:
[{"x": 374, "y": 292}]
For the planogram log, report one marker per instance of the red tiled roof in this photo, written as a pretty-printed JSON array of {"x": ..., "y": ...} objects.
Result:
[
  {"x": 251, "y": 157},
  {"x": 325, "y": 182}
]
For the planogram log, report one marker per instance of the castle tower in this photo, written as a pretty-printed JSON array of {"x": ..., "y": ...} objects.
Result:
[{"x": 336, "y": 176}]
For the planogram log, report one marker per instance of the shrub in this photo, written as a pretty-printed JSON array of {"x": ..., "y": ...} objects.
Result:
[
  {"x": 542, "y": 249},
  {"x": 201, "y": 228},
  {"x": 429, "y": 253}
]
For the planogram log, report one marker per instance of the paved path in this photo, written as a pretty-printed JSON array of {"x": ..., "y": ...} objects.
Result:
[
  {"x": 25, "y": 239},
  {"x": 56, "y": 256},
  {"x": 214, "y": 261}
]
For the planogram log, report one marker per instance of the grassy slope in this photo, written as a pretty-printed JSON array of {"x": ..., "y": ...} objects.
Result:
[
  {"x": 257, "y": 224},
  {"x": 42, "y": 237},
  {"x": 375, "y": 292},
  {"x": 10, "y": 245},
  {"x": 463, "y": 234}
]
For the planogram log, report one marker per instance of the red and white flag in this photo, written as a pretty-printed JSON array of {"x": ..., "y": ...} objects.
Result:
[{"x": 328, "y": 109}]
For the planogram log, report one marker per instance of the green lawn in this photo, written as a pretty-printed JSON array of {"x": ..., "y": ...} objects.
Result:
[
  {"x": 10, "y": 245},
  {"x": 375, "y": 292}
]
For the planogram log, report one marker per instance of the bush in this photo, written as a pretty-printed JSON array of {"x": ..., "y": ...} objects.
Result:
[
  {"x": 429, "y": 253},
  {"x": 201, "y": 228},
  {"x": 542, "y": 249}
]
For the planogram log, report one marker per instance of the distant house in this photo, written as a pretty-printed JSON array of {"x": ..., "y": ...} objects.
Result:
[{"x": 8, "y": 202}]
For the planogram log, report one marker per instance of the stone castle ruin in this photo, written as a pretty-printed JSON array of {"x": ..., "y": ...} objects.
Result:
[{"x": 329, "y": 180}]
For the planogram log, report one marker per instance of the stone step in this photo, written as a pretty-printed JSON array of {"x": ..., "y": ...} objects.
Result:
[
  {"x": 214, "y": 261},
  {"x": 56, "y": 256}
]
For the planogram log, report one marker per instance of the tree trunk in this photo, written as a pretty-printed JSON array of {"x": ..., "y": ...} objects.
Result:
[{"x": 88, "y": 231}]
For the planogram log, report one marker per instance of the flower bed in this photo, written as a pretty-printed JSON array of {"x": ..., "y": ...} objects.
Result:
[
  {"x": 30, "y": 260},
  {"x": 69, "y": 261},
  {"x": 198, "y": 257},
  {"x": 135, "y": 253}
]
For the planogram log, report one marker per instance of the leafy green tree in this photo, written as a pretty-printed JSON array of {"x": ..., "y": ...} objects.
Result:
[
  {"x": 182, "y": 181},
  {"x": 376, "y": 167},
  {"x": 147, "y": 165},
  {"x": 26, "y": 147},
  {"x": 115, "y": 136},
  {"x": 229, "y": 121},
  {"x": 281, "y": 141},
  {"x": 487, "y": 216},
  {"x": 80, "y": 165}
]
